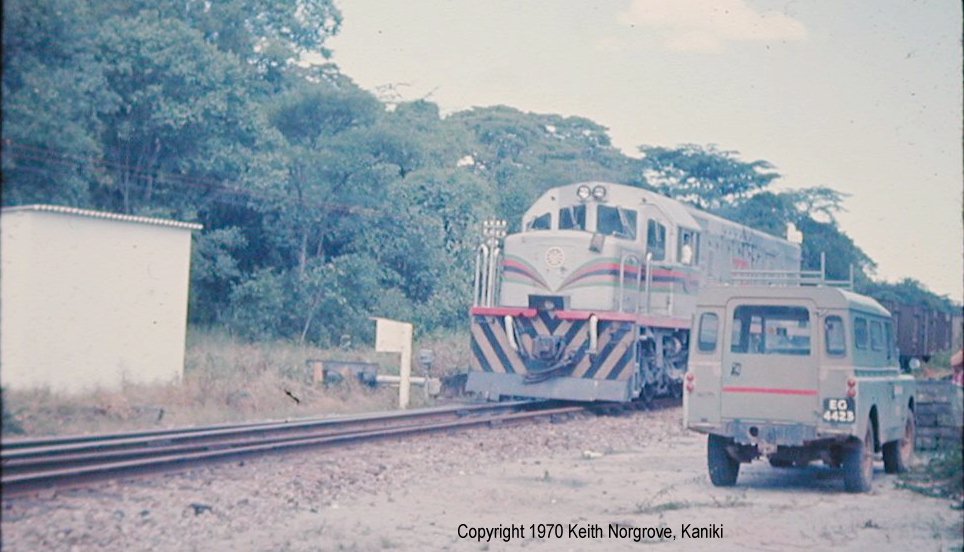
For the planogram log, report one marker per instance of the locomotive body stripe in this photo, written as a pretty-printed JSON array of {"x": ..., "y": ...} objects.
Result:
[
  {"x": 486, "y": 348},
  {"x": 518, "y": 270},
  {"x": 611, "y": 357},
  {"x": 613, "y": 361},
  {"x": 480, "y": 360},
  {"x": 491, "y": 338},
  {"x": 619, "y": 372}
]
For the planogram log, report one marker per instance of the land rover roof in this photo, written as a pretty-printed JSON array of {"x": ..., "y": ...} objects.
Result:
[{"x": 824, "y": 297}]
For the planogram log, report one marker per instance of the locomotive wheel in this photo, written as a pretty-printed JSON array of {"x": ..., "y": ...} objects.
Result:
[
  {"x": 858, "y": 464},
  {"x": 898, "y": 454},
  {"x": 723, "y": 468}
]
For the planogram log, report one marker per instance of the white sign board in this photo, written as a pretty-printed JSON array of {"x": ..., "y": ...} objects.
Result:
[{"x": 392, "y": 336}]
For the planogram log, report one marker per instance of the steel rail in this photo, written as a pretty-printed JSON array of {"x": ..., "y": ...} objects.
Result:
[
  {"x": 11, "y": 444},
  {"x": 70, "y": 469}
]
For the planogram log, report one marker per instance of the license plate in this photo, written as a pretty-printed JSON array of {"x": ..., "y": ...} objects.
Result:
[{"x": 840, "y": 411}]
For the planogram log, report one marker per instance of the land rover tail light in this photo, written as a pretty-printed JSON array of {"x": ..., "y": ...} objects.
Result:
[
  {"x": 851, "y": 387},
  {"x": 690, "y": 382}
]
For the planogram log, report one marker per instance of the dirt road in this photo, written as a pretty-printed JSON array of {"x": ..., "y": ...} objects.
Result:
[{"x": 592, "y": 483}]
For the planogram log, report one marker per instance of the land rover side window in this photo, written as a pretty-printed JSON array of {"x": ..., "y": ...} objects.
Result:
[
  {"x": 656, "y": 240},
  {"x": 541, "y": 222},
  {"x": 834, "y": 336},
  {"x": 876, "y": 335},
  {"x": 613, "y": 221},
  {"x": 771, "y": 330},
  {"x": 860, "y": 333},
  {"x": 709, "y": 328},
  {"x": 572, "y": 218}
]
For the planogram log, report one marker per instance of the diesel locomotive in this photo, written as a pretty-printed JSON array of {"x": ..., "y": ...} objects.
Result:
[{"x": 592, "y": 299}]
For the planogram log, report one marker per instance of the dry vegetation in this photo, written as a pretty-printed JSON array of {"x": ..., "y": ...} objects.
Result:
[{"x": 224, "y": 380}]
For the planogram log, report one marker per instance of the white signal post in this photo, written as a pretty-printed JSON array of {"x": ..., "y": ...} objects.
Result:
[{"x": 392, "y": 336}]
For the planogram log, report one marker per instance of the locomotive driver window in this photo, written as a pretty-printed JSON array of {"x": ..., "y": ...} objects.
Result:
[
  {"x": 613, "y": 221},
  {"x": 572, "y": 218}
]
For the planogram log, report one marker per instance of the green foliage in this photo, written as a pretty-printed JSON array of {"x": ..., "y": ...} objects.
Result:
[
  {"x": 911, "y": 292},
  {"x": 10, "y": 424},
  {"x": 942, "y": 476},
  {"x": 704, "y": 175},
  {"x": 524, "y": 154}
]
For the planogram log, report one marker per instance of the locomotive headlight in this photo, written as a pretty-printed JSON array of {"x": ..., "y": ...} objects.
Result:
[
  {"x": 583, "y": 193},
  {"x": 599, "y": 193}
]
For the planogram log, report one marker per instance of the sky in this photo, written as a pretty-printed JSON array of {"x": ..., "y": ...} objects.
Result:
[{"x": 863, "y": 97}]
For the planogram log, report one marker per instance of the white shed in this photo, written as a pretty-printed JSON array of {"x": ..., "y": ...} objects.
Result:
[{"x": 91, "y": 299}]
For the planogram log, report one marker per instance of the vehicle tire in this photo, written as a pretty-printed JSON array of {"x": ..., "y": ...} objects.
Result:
[
  {"x": 780, "y": 463},
  {"x": 723, "y": 467},
  {"x": 858, "y": 464},
  {"x": 898, "y": 454}
]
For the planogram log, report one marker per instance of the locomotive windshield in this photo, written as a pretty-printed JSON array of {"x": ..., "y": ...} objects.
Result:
[
  {"x": 572, "y": 218},
  {"x": 613, "y": 221}
]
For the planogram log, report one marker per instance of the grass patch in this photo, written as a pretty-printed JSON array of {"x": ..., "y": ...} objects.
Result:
[
  {"x": 225, "y": 380},
  {"x": 942, "y": 475}
]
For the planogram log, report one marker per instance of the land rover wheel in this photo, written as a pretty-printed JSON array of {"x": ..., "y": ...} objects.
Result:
[
  {"x": 723, "y": 467},
  {"x": 898, "y": 454},
  {"x": 858, "y": 464}
]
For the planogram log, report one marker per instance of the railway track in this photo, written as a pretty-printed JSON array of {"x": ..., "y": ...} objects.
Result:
[{"x": 32, "y": 465}]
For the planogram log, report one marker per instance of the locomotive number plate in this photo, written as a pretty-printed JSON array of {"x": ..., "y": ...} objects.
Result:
[{"x": 839, "y": 411}]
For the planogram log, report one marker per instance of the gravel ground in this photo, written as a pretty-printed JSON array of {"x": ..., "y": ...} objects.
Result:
[{"x": 633, "y": 471}]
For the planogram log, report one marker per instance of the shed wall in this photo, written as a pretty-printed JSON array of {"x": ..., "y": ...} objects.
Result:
[{"x": 90, "y": 303}]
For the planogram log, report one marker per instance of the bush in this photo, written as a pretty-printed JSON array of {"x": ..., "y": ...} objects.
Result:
[{"x": 941, "y": 476}]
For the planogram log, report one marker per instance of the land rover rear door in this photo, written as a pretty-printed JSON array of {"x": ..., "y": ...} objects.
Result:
[{"x": 770, "y": 361}]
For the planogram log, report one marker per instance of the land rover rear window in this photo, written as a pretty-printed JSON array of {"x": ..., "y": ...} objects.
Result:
[
  {"x": 771, "y": 330},
  {"x": 709, "y": 328},
  {"x": 834, "y": 336},
  {"x": 876, "y": 335},
  {"x": 860, "y": 333}
]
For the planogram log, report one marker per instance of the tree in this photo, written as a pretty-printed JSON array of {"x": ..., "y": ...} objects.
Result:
[
  {"x": 704, "y": 175},
  {"x": 524, "y": 154}
]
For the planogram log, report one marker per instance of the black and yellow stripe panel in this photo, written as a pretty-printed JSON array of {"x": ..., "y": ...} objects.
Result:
[{"x": 614, "y": 360}]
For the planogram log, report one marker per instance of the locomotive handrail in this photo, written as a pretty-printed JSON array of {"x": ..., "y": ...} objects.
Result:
[
  {"x": 627, "y": 257},
  {"x": 768, "y": 277}
]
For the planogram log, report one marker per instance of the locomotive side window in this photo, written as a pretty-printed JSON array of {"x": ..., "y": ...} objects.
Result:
[
  {"x": 572, "y": 218},
  {"x": 688, "y": 252},
  {"x": 613, "y": 221},
  {"x": 834, "y": 336},
  {"x": 860, "y": 333},
  {"x": 709, "y": 328},
  {"x": 656, "y": 240},
  {"x": 771, "y": 330},
  {"x": 541, "y": 222}
]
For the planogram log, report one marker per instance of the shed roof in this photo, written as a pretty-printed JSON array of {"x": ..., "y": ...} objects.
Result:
[{"x": 59, "y": 209}]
